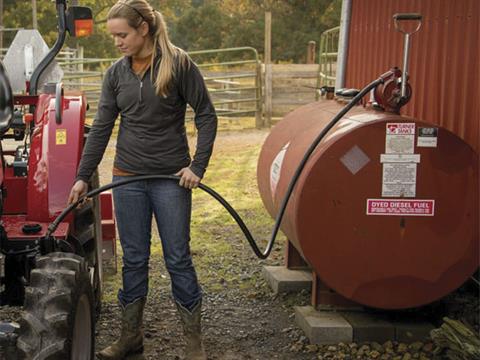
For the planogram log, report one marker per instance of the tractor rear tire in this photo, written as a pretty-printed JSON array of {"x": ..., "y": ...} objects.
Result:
[
  {"x": 88, "y": 229},
  {"x": 58, "y": 321}
]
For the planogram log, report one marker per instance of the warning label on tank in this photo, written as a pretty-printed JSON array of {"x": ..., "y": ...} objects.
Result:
[
  {"x": 400, "y": 207},
  {"x": 355, "y": 159},
  {"x": 427, "y": 137},
  {"x": 399, "y": 179},
  {"x": 276, "y": 168},
  {"x": 400, "y": 138}
]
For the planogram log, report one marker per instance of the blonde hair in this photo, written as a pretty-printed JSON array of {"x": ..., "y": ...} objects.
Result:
[{"x": 138, "y": 11}]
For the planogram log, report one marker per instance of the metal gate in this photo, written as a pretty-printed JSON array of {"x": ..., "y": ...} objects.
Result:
[
  {"x": 327, "y": 58},
  {"x": 234, "y": 85}
]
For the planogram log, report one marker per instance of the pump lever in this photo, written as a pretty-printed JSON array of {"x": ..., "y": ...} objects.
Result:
[
  {"x": 406, "y": 48},
  {"x": 407, "y": 16}
]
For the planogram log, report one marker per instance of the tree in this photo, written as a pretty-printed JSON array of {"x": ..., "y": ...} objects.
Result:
[
  {"x": 234, "y": 23},
  {"x": 201, "y": 27},
  {"x": 199, "y": 24}
]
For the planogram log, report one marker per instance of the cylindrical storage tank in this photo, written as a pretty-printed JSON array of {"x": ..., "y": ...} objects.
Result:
[{"x": 386, "y": 209}]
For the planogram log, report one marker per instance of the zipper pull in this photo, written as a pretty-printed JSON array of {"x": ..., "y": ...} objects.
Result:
[{"x": 141, "y": 86}]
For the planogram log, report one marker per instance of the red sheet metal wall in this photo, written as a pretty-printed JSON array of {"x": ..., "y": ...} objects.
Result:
[{"x": 444, "y": 62}]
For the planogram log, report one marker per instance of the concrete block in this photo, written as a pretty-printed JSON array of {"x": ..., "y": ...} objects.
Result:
[
  {"x": 411, "y": 330},
  {"x": 370, "y": 327},
  {"x": 323, "y": 327},
  {"x": 283, "y": 280}
]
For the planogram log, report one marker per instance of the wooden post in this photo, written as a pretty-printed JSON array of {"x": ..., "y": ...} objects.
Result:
[
  {"x": 1, "y": 24},
  {"x": 258, "y": 95},
  {"x": 311, "y": 52},
  {"x": 34, "y": 14},
  {"x": 268, "y": 68}
]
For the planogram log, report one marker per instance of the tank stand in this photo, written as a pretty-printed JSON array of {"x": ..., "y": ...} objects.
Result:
[
  {"x": 324, "y": 297},
  {"x": 293, "y": 259},
  {"x": 295, "y": 276},
  {"x": 321, "y": 294}
]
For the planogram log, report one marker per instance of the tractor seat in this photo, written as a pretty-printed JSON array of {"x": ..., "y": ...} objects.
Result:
[{"x": 6, "y": 101}]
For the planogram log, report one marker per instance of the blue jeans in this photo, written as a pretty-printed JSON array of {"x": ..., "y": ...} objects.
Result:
[{"x": 171, "y": 205}]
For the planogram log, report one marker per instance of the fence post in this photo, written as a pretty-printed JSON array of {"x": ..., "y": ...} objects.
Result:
[
  {"x": 1, "y": 24},
  {"x": 311, "y": 52},
  {"x": 80, "y": 55},
  {"x": 321, "y": 66},
  {"x": 258, "y": 94},
  {"x": 268, "y": 68},
  {"x": 34, "y": 14}
]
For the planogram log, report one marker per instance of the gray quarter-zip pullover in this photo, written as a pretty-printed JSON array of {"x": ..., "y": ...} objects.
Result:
[{"x": 152, "y": 137}]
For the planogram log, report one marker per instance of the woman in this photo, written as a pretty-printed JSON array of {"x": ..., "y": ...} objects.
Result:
[{"x": 150, "y": 87}]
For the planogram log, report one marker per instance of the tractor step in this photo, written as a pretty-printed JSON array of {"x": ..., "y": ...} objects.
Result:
[{"x": 14, "y": 227}]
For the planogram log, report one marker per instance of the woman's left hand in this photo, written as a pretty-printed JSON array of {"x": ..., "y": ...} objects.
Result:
[{"x": 188, "y": 179}]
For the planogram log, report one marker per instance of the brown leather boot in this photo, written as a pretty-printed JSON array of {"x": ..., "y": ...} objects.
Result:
[
  {"x": 193, "y": 333},
  {"x": 131, "y": 338}
]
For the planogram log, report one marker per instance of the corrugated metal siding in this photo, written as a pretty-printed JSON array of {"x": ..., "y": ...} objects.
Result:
[{"x": 444, "y": 58}]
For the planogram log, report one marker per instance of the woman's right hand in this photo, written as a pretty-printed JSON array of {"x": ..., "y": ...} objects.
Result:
[{"x": 79, "y": 188}]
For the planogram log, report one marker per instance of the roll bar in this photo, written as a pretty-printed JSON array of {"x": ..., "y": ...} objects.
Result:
[
  {"x": 62, "y": 34},
  {"x": 67, "y": 21}
]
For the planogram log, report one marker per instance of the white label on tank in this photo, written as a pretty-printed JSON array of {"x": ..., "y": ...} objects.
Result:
[
  {"x": 427, "y": 137},
  {"x": 355, "y": 159},
  {"x": 276, "y": 168},
  {"x": 399, "y": 179},
  {"x": 400, "y": 138}
]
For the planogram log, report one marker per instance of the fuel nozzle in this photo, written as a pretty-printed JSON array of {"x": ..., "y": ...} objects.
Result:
[{"x": 47, "y": 244}]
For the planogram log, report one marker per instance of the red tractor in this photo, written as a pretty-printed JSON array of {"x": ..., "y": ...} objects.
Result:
[{"x": 56, "y": 278}]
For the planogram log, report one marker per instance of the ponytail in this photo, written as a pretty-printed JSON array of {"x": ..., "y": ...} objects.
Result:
[{"x": 171, "y": 56}]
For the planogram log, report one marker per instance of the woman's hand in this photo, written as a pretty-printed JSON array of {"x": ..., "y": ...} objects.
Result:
[
  {"x": 79, "y": 188},
  {"x": 188, "y": 179}
]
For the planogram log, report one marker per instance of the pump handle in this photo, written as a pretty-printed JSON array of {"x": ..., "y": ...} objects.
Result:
[
  {"x": 406, "y": 47},
  {"x": 407, "y": 16}
]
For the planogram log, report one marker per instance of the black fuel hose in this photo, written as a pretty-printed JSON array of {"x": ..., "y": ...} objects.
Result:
[{"x": 262, "y": 255}]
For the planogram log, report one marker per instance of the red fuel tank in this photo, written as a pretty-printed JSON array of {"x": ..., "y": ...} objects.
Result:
[{"x": 386, "y": 210}]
